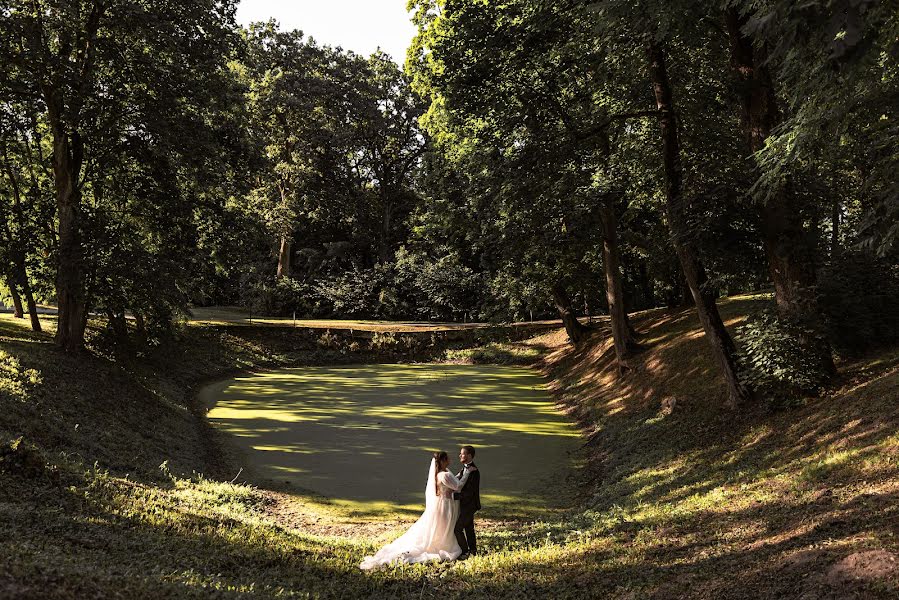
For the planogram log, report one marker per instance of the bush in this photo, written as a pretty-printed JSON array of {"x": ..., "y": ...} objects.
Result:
[
  {"x": 775, "y": 359},
  {"x": 859, "y": 296},
  {"x": 437, "y": 288},
  {"x": 389, "y": 342},
  {"x": 283, "y": 297},
  {"x": 356, "y": 293}
]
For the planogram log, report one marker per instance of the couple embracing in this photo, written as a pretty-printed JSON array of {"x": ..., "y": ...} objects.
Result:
[{"x": 445, "y": 530}]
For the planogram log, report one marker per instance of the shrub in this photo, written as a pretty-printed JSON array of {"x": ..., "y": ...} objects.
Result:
[
  {"x": 283, "y": 297},
  {"x": 356, "y": 293},
  {"x": 775, "y": 359}
]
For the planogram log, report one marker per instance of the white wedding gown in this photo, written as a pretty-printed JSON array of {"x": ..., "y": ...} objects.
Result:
[{"x": 431, "y": 537}]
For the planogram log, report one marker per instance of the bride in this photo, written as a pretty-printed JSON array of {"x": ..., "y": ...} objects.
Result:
[{"x": 431, "y": 537}]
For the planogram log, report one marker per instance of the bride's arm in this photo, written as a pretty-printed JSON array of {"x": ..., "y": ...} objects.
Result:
[{"x": 452, "y": 482}]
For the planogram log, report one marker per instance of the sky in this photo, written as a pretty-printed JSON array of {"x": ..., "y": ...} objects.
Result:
[{"x": 357, "y": 25}]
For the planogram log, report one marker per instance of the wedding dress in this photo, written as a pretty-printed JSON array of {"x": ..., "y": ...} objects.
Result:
[{"x": 431, "y": 537}]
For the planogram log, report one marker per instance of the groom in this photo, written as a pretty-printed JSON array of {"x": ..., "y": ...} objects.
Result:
[{"x": 469, "y": 498}]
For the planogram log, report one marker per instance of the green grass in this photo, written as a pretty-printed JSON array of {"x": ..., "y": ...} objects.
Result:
[{"x": 678, "y": 498}]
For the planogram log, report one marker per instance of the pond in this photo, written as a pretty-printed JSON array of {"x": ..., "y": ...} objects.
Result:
[{"x": 365, "y": 433}]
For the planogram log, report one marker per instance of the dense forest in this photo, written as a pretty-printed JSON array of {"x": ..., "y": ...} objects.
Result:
[{"x": 532, "y": 159}]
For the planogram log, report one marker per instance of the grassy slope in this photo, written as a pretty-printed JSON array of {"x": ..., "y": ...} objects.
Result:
[
  {"x": 686, "y": 500},
  {"x": 696, "y": 501}
]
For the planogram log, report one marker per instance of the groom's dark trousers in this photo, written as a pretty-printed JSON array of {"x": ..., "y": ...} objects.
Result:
[{"x": 469, "y": 503}]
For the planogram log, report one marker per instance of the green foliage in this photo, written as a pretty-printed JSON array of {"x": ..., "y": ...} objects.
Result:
[
  {"x": 356, "y": 293},
  {"x": 388, "y": 342},
  {"x": 775, "y": 359},
  {"x": 859, "y": 296},
  {"x": 814, "y": 49},
  {"x": 132, "y": 108},
  {"x": 442, "y": 287},
  {"x": 337, "y": 142},
  {"x": 285, "y": 296},
  {"x": 496, "y": 353},
  {"x": 16, "y": 380}
]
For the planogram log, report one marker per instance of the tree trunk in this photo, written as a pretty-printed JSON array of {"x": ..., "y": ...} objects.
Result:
[
  {"x": 67, "y": 161},
  {"x": 789, "y": 248},
  {"x": 631, "y": 331},
  {"x": 720, "y": 341},
  {"x": 18, "y": 313},
  {"x": 686, "y": 296},
  {"x": 384, "y": 254},
  {"x": 17, "y": 257},
  {"x": 20, "y": 281},
  {"x": 284, "y": 257},
  {"x": 140, "y": 324},
  {"x": 32, "y": 309},
  {"x": 621, "y": 332},
  {"x": 649, "y": 295},
  {"x": 835, "y": 228},
  {"x": 576, "y": 331}
]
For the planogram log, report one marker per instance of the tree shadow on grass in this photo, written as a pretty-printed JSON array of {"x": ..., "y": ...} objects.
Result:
[
  {"x": 99, "y": 549},
  {"x": 192, "y": 554},
  {"x": 665, "y": 451},
  {"x": 789, "y": 553}
]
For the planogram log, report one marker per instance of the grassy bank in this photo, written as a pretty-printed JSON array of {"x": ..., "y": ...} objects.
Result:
[{"x": 681, "y": 499}]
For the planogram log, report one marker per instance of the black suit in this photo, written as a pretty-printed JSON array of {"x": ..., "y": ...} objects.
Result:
[{"x": 469, "y": 503}]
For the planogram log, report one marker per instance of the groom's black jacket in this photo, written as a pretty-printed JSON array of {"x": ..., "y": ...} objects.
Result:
[{"x": 470, "y": 494}]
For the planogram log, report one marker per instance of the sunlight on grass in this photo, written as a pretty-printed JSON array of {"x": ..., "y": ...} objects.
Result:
[
  {"x": 364, "y": 433},
  {"x": 832, "y": 461},
  {"x": 15, "y": 380}
]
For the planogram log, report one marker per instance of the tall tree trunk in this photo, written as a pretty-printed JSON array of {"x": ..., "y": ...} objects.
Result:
[
  {"x": 789, "y": 248},
  {"x": 686, "y": 296},
  {"x": 621, "y": 332},
  {"x": 286, "y": 251},
  {"x": 21, "y": 279},
  {"x": 140, "y": 326},
  {"x": 631, "y": 331},
  {"x": 575, "y": 330},
  {"x": 17, "y": 274},
  {"x": 284, "y": 256},
  {"x": 18, "y": 313},
  {"x": 720, "y": 341},
  {"x": 67, "y": 161}
]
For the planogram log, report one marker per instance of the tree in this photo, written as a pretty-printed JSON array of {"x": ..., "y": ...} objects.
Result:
[
  {"x": 19, "y": 163},
  {"x": 521, "y": 95},
  {"x": 100, "y": 68},
  {"x": 719, "y": 339},
  {"x": 391, "y": 146},
  {"x": 789, "y": 247}
]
